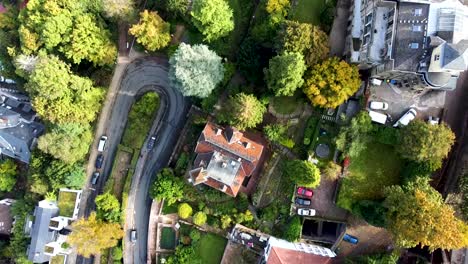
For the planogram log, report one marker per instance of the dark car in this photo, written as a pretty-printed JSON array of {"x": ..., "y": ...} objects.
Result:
[
  {"x": 151, "y": 142},
  {"x": 350, "y": 239},
  {"x": 305, "y": 191},
  {"x": 303, "y": 201},
  {"x": 95, "y": 177},
  {"x": 99, "y": 161}
]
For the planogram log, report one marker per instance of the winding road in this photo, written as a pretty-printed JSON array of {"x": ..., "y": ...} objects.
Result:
[{"x": 147, "y": 74}]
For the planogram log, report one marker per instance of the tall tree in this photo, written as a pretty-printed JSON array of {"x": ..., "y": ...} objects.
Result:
[
  {"x": 195, "y": 70},
  {"x": 418, "y": 215},
  {"x": 151, "y": 32},
  {"x": 319, "y": 48},
  {"x": 278, "y": 6},
  {"x": 9, "y": 38},
  {"x": 354, "y": 137},
  {"x": 284, "y": 74},
  {"x": 59, "y": 96},
  {"x": 243, "y": 111},
  {"x": 213, "y": 18},
  {"x": 167, "y": 186},
  {"x": 92, "y": 235},
  {"x": 119, "y": 9},
  {"x": 68, "y": 142},
  {"x": 177, "y": 7},
  {"x": 303, "y": 173},
  {"x": 423, "y": 142},
  {"x": 108, "y": 207},
  {"x": 331, "y": 82},
  {"x": 7, "y": 175}
]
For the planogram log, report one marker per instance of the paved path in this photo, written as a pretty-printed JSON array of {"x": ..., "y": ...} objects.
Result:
[{"x": 338, "y": 33}]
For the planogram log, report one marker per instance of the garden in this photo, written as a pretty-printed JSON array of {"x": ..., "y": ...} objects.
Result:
[{"x": 66, "y": 203}]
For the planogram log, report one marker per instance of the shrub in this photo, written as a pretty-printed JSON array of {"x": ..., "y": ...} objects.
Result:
[
  {"x": 225, "y": 221},
  {"x": 117, "y": 253},
  {"x": 294, "y": 230},
  {"x": 332, "y": 171},
  {"x": 184, "y": 210},
  {"x": 195, "y": 235},
  {"x": 199, "y": 218}
]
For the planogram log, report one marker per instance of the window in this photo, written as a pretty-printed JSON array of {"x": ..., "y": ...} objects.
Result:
[
  {"x": 368, "y": 18},
  {"x": 417, "y": 11},
  {"x": 417, "y": 28},
  {"x": 437, "y": 57},
  {"x": 414, "y": 45}
]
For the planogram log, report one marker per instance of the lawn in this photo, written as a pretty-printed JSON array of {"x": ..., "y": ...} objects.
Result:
[
  {"x": 210, "y": 248},
  {"x": 307, "y": 11},
  {"x": 66, "y": 203},
  {"x": 285, "y": 104},
  {"x": 140, "y": 120},
  {"x": 377, "y": 166},
  {"x": 168, "y": 238},
  {"x": 59, "y": 259}
]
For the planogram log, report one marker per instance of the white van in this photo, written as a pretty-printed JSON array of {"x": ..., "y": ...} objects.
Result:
[
  {"x": 102, "y": 144},
  {"x": 378, "y": 117},
  {"x": 406, "y": 118}
]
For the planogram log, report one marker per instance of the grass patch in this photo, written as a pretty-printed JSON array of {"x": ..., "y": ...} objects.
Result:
[
  {"x": 286, "y": 104},
  {"x": 66, "y": 203},
  {"x": 308, "y": 11},
  {"x": 140, "y": 120},
  {"x": 168, "y": 238},
  {"x": 58, "y": 259},
  {"x": 210, "y": 248},
  {"x": 377, "y": 166}
]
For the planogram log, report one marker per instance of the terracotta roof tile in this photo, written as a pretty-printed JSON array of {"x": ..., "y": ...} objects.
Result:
[{"x": 288, "y": 256}]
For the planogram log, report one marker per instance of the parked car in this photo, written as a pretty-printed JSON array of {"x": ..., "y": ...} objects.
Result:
[
  {"x": 303, "y": 201},
  {"x": 99, "y": 161},
  {"x": 378, "y": 105},
  {"x": 151, "y": 142},
  {"x": 350, "y": 239},
  {"x": 406, "y": 118},
  {"x": 433, "y": 120},
  {"x": 306, "y": 212},
  {"x": 305, "y": 191},
  {"x": 133, "y": 236},
  {"x": 102, "y": 143},
  {"x": 95, "y": 177},
  {"x": 378, "y": 117}
]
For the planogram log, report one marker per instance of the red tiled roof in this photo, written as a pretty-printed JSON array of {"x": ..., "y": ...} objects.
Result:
[{"x": 288, "y": 256}]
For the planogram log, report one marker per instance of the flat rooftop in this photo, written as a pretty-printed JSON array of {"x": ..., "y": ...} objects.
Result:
[{"x": 223, "y": 168}]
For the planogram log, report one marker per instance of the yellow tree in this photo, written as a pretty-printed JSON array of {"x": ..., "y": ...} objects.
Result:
[
  {"x": 331, "y": 82},
  {"x": 278, "y": 6},
  {"x": 418, "y": 215},
  {"x": 152, "y": 31},
  {"x": 91, "y": 235}
]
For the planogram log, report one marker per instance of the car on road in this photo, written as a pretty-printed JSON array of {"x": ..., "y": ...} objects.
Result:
[
  {"x": 133, "y": 236},
  {"x": 374, "y": 105},
  {"x": 102, "y": 143},
  {"x": 303, "y": 201},
  {"x": 99, "y": 161},
  {"x": 95, "y": 177},
  {"x": 305, "y": 192},
  {"x": 406, "y": 118},
  {"x": 306, "y": 212},
  {"x": 151, "y": 142},
  {"x": 350, "y": 239}
]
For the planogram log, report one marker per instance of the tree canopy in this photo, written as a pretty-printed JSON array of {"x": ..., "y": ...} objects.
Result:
[
  {"x": 331, "y": 82},
  {"x": 303, "y": 173},
  {"x": 73, "y": 28},
  {"x": 278, "y": 6},
  {"x": 92, "y": 235},
  {"x": 294, "y": 230},
  {"x": 243, "y": 111},
  {"x": 177, "y": 7},
  {"x": 199, "y": 218},
  {"x": 68, "y": 142},
  {"x": 195, "y": 70},
  {"x": 60, "y": 96},
  {"x": 184, "y": 210},
  {"x": 108, "y": 207},
  {"x": 167, "y": 186},
  {"x": 418, "y": 215},
  {"x": 151, "y": 32},
  {"x": 7, "y": 175},
  {"x": 284, "y": 74},
  {"x": 423, "y": 142},
  {"x": 119, "y": 9},
  {"x": 354, "y": 137},
  {"x": 214, "y": 18}
]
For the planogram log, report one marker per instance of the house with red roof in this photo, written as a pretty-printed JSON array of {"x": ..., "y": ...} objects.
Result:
[
  {"x": 280, "y": 251},
  {"x": 226, "y": 158}
]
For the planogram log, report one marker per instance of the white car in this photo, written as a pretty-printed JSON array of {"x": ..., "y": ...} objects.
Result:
[
  {"x": 433, "y": 120},
  {"x": 406, "y": 118},
  {"x": 378, "y": 105},
  {"x": 306, "y": 212}
]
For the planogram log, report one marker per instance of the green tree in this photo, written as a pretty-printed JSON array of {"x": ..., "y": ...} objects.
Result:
[
  {"x": 151, "y": 32},
  {"x": 213, "y": 18},
  {"x": 184, "y": 210},
  {"x": 177, "y": 7},
  {"x": 331, "y": 82},
  {"x": 108, "y": 207},
  {"x": 295, "y": 36},
  {"x": 226, "y": 221},
  {"x": 7, "y": 175},
  {"x": 294, "y": 230},
  {"x": 249, "y": 61},
  {"x": 60, "y": 96},
  {"x": 67, "y": 142},
  {"x": 303, "y": 173},
  {"x": 417, "y": 215},
  {"x": 332, "y": 171},
  {"x": 319, "y": 48},
  {"x": 244, "y": 217},
  {"x": 355, "y": 137},
  {"x": 199, "y": 218},
  {"x": 60, "y": 174},
  {"x": 423, "y": 142},
  {"x": 119, "y": 9},
  {"x": 284, "y": 74},
  {"x": 243, "y": 111},
  {"x": 195, "y": 70},
  {"x": 275, "y": 132},
  {"x": 90, "y": 236},
  {"x": 184, "y": 255},
  {"x": 278, "y": 6},
  {"x": 167, "y": 187},
  {"x": 117, "y": 253}
]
